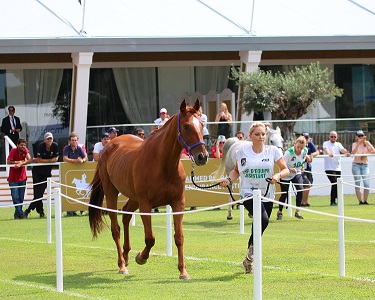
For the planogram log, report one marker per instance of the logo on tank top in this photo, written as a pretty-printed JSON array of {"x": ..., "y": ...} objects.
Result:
[{"x": 243, "y": 161}]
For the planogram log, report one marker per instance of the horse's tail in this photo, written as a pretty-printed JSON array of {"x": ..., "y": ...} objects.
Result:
[
  {"x": 96, "y": 198},
  {"x": 221, "y": 169}
]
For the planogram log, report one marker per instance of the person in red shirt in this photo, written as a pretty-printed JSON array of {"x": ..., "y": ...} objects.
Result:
[
  {"x": 17, "y": 175},
  {"x": 217, "y": 151}
]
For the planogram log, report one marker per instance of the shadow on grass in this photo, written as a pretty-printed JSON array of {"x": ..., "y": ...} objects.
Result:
[{"x": 83, "y": 280}]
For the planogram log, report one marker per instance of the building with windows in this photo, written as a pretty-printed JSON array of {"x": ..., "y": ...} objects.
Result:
[{"x": 73, "y": 64}]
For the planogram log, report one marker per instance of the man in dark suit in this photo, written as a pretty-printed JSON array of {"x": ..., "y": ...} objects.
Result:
[{"x": 11, "y": 125}]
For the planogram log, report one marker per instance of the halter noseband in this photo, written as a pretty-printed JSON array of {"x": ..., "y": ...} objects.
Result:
[{"x": 188, "y": 148}]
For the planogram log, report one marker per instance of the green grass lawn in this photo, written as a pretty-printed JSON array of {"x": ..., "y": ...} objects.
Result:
[{"x": 300, "y": 258}]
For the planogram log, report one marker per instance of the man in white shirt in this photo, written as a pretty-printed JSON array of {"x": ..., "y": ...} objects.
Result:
[
  {"x": 98, "y": 147},
  {"x": 159, "y": 122},
  {"x": 332, "y": 163},
  {"x": 203, "y": 117}
]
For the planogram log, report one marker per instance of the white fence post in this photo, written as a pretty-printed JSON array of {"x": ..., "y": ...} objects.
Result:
[
  {"x": 257, "y": 238},
  {"x": 290, "y": 191},
  {"x": 59, "y": 256},
  {"x": 341, "y": 231},
  {"x": 49, "y": 211}
]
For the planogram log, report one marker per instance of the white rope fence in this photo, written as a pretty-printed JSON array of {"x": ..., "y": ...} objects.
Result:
[{"x": 57, "y": 196}]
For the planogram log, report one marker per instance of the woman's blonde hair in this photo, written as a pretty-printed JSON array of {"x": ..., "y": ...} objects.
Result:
[
  {"x": 302, "y": 140},
  {"x": 226, "y": 111},
  {"x": 255, "y": 125}
]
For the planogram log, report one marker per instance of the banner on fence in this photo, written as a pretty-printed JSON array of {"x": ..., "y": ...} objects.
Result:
[{"x": 75, "y": 180}]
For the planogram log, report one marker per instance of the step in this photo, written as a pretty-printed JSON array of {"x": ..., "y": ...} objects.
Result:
[{"x": 5, "y": 195}]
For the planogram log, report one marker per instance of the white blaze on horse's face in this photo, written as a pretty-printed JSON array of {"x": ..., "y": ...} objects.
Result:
[{"x": 197, "y": 124}]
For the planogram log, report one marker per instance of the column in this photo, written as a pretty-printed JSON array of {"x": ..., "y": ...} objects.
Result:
[{"x": 80, "y": 93}]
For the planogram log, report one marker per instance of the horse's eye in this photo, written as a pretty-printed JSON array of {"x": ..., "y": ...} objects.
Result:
[{"x": 186, "y": 127}]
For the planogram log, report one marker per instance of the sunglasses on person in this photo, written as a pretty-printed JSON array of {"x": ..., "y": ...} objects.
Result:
[
  {"x": 361, "y": 135},
  {"x": 221, "y": 142},
  {"x": 141, "y": 134},
  {"x": 333, "y": 137}
]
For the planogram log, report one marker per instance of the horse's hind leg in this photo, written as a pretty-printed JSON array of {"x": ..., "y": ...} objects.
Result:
[
  {"x": 130, "y": 206},
  {"x": 111, "y": 199},
  {"x": 142, "y": 257}
]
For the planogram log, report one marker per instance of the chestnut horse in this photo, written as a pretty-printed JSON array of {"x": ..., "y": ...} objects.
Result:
[{"x": 150, "y": 174}]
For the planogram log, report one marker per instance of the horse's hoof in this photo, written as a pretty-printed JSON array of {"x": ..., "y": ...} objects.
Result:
[
  {"x": 185, "y": 277},
  {"x": 138, "y": 260},
  {"x": 229, "y": 218},
  {"x": 123, "y": 271}
]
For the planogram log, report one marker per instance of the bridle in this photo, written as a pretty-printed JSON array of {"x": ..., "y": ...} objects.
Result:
[{"x": 180, "y": 137}]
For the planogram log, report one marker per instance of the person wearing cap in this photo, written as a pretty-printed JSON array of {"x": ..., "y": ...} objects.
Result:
[
  {"x": 98, "y": 147},
  {"x": 360, "y": 168},
  {"x": 217, "y": 151},
  {"x": 307, "y": 172},
  {"x": 159, "y": 122},
  {"x": 48, "y": 152},
  {"x": 332, "y": 163},
  {"x": 112, "y": 132}
]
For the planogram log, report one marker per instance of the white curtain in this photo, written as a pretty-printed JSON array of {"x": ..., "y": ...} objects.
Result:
[
  {"x": 211, "y": 78},
  {"x": 41, "y": 88},
  {"x": 137, "y": 88}
]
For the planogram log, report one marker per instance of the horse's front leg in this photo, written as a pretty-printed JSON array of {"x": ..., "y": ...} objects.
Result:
[
  {"x": 130, "y": 206},
  {"x": 179, "y": 241},
  {"x": 179, "y": 206},
  {"x": 142, "y": 257}
]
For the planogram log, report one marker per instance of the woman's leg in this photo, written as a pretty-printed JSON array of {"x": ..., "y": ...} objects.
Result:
[{"x": 357, "y": 181}]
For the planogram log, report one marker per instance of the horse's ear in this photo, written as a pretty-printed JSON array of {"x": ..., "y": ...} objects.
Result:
[
  {"x": 278, "y": 129},
  {"x": 183, "y": 105},
  {"x": 197, "y": 104}
]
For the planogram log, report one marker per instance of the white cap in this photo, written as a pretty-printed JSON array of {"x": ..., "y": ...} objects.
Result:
[
  {"x": 163, "y": 110},
  {"x": 221, "y": 138},
  {"x": 48, "y": 135}
]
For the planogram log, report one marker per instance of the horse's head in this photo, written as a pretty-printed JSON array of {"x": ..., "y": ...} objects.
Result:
[
  {"x": 190, "y": 134},
  {"x": 274, "y": 137}
]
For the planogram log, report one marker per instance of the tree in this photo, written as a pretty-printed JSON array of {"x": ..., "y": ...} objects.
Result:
[{"x": 286, "y": 95}]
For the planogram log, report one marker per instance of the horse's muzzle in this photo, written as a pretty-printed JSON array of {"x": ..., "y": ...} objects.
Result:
[{"x": 201, "y": 159}]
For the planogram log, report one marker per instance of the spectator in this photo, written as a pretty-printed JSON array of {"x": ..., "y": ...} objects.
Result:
[
  {"x": 225, "y": 119},
  {"x": 17, "y": 175},
  {"x": 217, "y": 151},
  {"x": 48, "y": 152},
  {"x": 11, "y": 125},
  {"x": 332, "y": 163},
  {"x": 258, "y": 159},
  {"x": 240, "y": 135},
  {"x": 159, "y": 122},
  {"x": 184, "y": 154},
  {"x": 98, "y": 147},
  {"x": 73, "y": 153},
  {"x": 306, "y": 173},
  {"x": 294, "y": 158},
  {"x": 112, "y": 132},
  {"x": 360, "y": 167},
  {"x": 140, "y": 133},
  {"x": 203, "y": 117}
]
